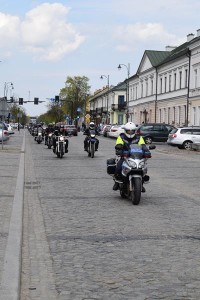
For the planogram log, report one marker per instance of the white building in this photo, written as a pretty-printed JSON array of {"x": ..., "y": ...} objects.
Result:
[{"x": 165, "y": 88}]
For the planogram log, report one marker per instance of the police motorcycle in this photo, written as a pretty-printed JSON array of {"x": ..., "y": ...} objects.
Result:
[
  {"x": 134, "y": 172},
  {"x": 91, "y": 141}
]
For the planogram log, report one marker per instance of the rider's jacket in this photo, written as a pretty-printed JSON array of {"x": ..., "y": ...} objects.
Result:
[
  {"x": 88, "y": 130},
  {"x": 123, "y": 143}
]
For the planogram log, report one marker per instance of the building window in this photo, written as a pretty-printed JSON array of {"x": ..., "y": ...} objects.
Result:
[
  {"x": 186, "y": 78},
  {"x": 136, "y": 92},
  {"x": 194, "y": 115},
  {"x": 174, "y": 115},
  {"x": 168, "y": 116},
  {"x": 170, "y": 82},
  {"x": 180, "y": 79},
  {"x": 195, "y": 78},
  {"x": 174, "y": 81},
  {"x": 179, "y": 115},
  {"x": 164, "y": 115},
  {"x": 160, "y": 85},
  {"x": 165, "y": 84},
  {"x": 141, "y": 90},
  {"x": 151, "y": 86},
  {"x": 147, "y": 88},
  {"x": 159, "y": 115}
]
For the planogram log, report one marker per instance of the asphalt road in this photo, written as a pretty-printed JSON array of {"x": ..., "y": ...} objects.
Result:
[{"x": 83, "y": 241}]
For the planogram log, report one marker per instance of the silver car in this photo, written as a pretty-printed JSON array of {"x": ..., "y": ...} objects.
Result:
[{"x": 184, "y": 137}]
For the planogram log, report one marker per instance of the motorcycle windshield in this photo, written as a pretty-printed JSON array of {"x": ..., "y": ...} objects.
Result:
[{"x": 136, "y": 151}]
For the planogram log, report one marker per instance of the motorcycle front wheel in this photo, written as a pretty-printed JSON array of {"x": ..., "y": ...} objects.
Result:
[
  {"x": 92, "y": 150},
  {"x": 61, "y": 150},
  {"x": 136, "y": 192}
]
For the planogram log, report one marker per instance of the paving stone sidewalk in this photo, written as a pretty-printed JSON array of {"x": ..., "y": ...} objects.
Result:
[{"x": 11, "y": 204}]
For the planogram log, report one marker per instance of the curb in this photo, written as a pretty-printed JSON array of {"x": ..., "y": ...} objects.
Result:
[{"x": 10, "y": 288}]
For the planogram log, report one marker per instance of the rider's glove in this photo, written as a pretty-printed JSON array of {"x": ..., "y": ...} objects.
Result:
[
  {"x": 147, "y": 154},
  {"x": 119, "y": 149}
]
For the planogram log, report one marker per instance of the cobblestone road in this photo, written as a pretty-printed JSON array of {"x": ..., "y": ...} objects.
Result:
[{"x": 82, "y": 241}]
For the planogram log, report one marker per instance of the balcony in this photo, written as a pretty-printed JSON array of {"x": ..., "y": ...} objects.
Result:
[{"x": 118, "y": 107}]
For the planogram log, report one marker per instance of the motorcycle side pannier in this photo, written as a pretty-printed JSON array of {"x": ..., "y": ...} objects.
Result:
[{"x": 111, "y": 166}]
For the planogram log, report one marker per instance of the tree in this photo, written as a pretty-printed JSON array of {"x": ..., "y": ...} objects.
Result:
[
  {"x": 74, "y": 95},
  {"x": 15, "y": 110}
]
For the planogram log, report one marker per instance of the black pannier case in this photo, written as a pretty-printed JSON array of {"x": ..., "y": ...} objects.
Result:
[{"x": 111, "y": 166}]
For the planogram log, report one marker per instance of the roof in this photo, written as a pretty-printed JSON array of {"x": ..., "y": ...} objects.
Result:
[{"x": 156, "y": 57}]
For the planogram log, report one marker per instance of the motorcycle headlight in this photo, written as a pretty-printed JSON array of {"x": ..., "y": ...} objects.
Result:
[
  {"x": 132, "y": 164},
  {"x": 141, "y": 165},
  {"x": 61, "y": 138},
  {"x": 125, "y": 169},
  {"x": 39, "y": 133},
  {"x": 92, "y": 135}
]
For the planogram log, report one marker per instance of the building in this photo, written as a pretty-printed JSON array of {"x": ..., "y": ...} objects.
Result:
[{"x": 165, "y": 88}]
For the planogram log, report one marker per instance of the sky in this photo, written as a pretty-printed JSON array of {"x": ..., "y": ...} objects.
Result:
[{"x": 44, "y": 42}]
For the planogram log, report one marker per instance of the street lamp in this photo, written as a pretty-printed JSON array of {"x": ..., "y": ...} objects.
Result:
[
  {"x": 7, "y": 85},
  {"x": 107, "y": 95},
  {"x": 127, "y": 87}
]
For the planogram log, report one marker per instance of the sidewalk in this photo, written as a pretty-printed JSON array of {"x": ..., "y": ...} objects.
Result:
[{"x": 11, "y": 212}]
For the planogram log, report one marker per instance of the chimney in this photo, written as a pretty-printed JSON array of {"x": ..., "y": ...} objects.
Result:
[
  {"x": 198, "y": 32},
  {"x": 170, "y": 48},
  {"x": 190, "y": 37}
]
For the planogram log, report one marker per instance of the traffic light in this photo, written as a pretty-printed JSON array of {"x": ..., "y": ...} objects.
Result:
[
  {"x": 21, "y": 100},
  {"x": 57, "y": 99},
  {"x": 36, "y": 101}
]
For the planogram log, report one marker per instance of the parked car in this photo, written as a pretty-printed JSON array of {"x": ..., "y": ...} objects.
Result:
[
  {"x": 115, "y": 131},
  {"x": 71, "y": 130},
  {"x": 154, "y": 132},
  {"x": 10, "y": 129},
  {"x": 183, "y": 137},
  {"x": 5, "y": 135},
  {"x": 105, "y": 130}
]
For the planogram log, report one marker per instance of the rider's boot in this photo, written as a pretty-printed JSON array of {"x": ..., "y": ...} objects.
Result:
[{"x": 118, "y": 179}]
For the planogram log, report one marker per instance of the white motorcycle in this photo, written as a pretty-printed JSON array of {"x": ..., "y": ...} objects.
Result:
[
  {"x": 39, "y": 137},
  {"x": 60, "y": 146}
]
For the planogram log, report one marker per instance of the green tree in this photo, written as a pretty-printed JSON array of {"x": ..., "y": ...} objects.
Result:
[
  {"x": 15, "y": 111},
  {"x": 74, "y": 95}
]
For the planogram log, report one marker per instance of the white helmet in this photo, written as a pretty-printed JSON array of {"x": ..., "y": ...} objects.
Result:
[
  {"x": 91, "y": 126},
  {"x": 129, "y": 129}
]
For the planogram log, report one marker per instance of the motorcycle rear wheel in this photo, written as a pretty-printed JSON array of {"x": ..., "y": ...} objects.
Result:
[{"x": 136, "y": 193}]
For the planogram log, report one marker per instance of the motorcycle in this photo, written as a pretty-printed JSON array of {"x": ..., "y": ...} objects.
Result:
[
  {"x": 134, "y": 172},
  {"x": 91, "y": 144},
  {"x": 39, "y": 138},
  {"x": 60, "y": 146},
  {"x": 49, "y": 141}
]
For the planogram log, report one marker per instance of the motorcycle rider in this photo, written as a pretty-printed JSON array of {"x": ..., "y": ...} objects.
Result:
[
  {"x": 38, "y": 129},
  {"x": 87, "y": 133},
  {"x": 123, "y": 142},
  {"x": 57, "y": 132},
  {"x": 48, "y": 130}
]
